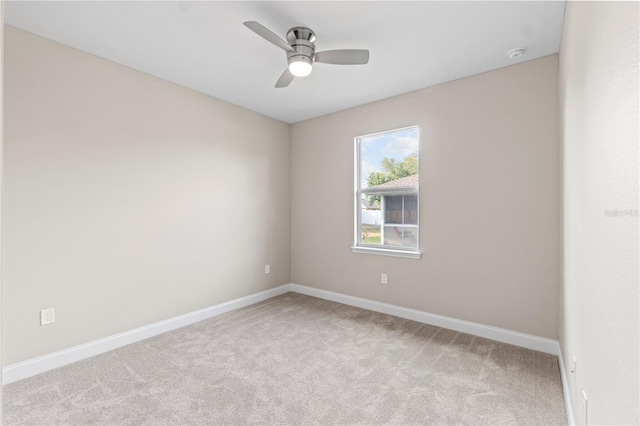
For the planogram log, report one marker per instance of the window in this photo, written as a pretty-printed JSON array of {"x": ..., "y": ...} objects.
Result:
[{"x": 386, "y": 195}]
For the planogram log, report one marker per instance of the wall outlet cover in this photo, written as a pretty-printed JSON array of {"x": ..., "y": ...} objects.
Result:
[{"x": 47, "y": 316}]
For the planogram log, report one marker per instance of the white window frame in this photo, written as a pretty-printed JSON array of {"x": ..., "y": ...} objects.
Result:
[{"x": 381, "y": 249}]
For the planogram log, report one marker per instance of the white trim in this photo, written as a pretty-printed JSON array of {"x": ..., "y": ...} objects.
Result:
[
  {"x": 38, "y": 365},
  {"x": 401, "y": 190},
  {"x": 387, "y": 252},
  {"x": 48, "y": 362},
  {"x": 382, "y": 132},
  {"x": 528, "y": 341},
  {"x": 565, "y": 388}
]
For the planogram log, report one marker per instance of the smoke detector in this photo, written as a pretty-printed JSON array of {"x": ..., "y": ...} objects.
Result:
[{"x": 515, "y": 53}]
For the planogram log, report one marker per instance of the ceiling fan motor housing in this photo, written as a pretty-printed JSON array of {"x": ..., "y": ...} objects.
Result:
[{"x": 302, "y": 40}]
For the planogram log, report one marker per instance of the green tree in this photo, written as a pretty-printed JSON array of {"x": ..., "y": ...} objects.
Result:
[{"x": 392, "y": 170}]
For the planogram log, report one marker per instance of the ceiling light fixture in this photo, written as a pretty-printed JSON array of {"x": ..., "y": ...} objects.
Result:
[{"x": 300, "y": 66}]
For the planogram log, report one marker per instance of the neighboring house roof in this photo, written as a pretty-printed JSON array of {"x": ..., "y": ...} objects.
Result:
[
  {"x": 405, "y": 182},
  {"x": 365, "y": 204}
]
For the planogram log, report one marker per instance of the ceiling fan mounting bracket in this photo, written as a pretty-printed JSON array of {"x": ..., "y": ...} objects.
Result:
[{"x": 300, "y": 33}]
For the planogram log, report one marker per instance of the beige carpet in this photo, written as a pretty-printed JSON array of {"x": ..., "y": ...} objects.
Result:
[{"x": 296, "y": 359}]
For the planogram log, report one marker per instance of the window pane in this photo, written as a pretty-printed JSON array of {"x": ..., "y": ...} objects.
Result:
[
  {"x": 371, "y": 219},
  {"x": 387, "y": 157},
  {"x": 370, "y": 234},
  {"x": 393, "y": 209},
  {"x": 401, "y": 236},
  {"x": 410, "y": 237},
  {"x": 411, "y": 210},
  {"x": 393, "y": 236}
]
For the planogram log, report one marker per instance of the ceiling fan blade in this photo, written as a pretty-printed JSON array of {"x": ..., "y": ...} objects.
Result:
[
  {"x": 343, "y": 57},
  {"x": 268, "y": 35},
  {"x": 285, "y": 79}
]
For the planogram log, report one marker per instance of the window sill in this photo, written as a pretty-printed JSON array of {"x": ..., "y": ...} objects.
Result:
[{"x": 387, "y": 252}]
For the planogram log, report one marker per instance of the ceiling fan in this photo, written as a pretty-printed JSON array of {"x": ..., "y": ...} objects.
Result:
[{"x": 301, "y": 52}]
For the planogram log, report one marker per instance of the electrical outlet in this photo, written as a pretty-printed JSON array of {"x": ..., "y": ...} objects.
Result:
[
  {"x": 267, "y": 269},
  {"x": 47, "y": 316},
  {"x": 383, "y": 278}
]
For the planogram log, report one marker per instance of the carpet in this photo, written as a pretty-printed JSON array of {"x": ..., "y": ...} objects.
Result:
[{"x": 295, "y": 360}]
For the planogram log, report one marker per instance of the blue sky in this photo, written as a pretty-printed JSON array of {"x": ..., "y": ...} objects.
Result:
[{"x": 391, "y": 145}]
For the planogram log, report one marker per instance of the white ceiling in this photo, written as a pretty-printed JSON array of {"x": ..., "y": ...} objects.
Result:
[{"x": 204, "y": 46}]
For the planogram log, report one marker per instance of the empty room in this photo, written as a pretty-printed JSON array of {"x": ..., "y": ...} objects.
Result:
[{"x": 320, "y": 212}]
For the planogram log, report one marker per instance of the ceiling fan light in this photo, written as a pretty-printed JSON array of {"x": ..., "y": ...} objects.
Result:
[{"x": 300, "y": 68}]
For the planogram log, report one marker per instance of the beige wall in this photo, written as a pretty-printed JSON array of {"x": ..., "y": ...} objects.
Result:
[
  {"x": 599, "y": 131},
  {"x": 128, "y": 199},
  {"x": 489, "y": 194}
]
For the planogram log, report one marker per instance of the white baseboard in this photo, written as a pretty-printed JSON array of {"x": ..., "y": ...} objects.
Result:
[
  {"x": 528, "y": 341},
  {"x": 565, "y": 388},
  {"x": 48, "y": 362}
]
